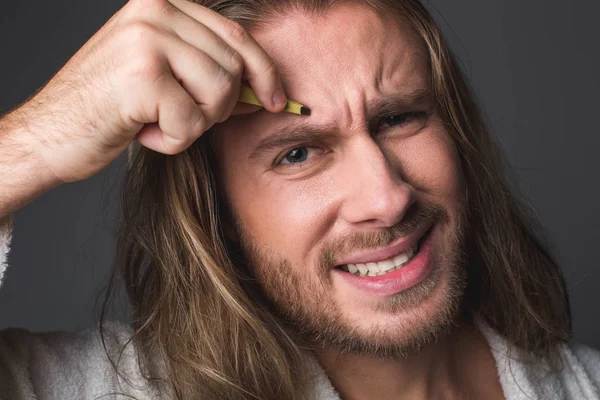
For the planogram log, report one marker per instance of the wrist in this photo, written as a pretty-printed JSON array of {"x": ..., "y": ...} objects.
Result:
[{"x": 24, "y": 173}]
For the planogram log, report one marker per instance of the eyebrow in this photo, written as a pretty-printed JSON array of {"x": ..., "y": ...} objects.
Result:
[
  {"x": 291, "y": 135},
  {"x": 306, "y": 132},
  {"x": 396, "y": 103}
]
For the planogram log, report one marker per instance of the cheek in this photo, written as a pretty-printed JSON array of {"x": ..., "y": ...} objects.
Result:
[
  {"x": 283, "y": 217},
  {"x": 430, "y": 163}
]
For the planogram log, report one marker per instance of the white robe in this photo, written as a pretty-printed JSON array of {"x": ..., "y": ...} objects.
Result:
[{"x": 63, "y": 365}]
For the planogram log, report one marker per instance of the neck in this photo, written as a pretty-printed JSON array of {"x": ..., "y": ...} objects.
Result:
[{"x": 457, "y": 366}]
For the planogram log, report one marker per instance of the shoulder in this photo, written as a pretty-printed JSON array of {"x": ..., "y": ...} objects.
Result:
[
  {"x": 578, "y": 376},
  {"x": 589, "y": 356},
  {"x": 524, "y": 376},
  {"x": 583, "y": 362},
  {"x": 71, "y": 365}
]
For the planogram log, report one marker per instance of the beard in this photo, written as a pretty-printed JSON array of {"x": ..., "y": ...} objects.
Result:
[{"x": 303, "y": 300}]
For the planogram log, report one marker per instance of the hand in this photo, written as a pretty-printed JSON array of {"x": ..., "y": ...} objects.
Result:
[{"x": 161, "y": 72}]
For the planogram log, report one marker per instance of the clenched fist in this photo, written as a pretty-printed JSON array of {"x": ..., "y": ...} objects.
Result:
[{"x": 159, "y": 71}]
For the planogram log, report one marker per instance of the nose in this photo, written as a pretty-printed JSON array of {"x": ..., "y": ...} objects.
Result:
[{"x": 376, "y": 196}]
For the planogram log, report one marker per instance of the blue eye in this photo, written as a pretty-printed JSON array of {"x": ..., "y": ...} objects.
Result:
[{"x": 296, "y": 156}]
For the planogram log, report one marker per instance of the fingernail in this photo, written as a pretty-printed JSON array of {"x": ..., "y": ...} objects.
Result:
[{"x": 278, "y": 98}]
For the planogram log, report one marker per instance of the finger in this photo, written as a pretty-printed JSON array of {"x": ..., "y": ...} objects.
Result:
[
  {"x": 180, "y": 120},
  {"x": 150, "y": 136},
  {"x": 198, "y": 35},
  {"x": 259, "y": 68},
  {"x": 211, "y": 86}
]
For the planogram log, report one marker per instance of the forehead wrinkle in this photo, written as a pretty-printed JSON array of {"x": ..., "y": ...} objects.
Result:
[
  {"x": 367, "y": 33},
  {"x": 373, "y": 110},
  {"x": 404, "y": 62},
  {"x": 315, "y": 68}
]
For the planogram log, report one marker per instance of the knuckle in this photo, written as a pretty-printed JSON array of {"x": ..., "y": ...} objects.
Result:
[
  {"x": 143, "y": 60},
  {"x": 146, "y": 68},
  {"x": 236, "y": 31},
  {"x": 226, "y": 92},
  {"x": 237, "y": 63},
  {"x": 145, "y": 6},
  {"x": 139, "y": 32}
]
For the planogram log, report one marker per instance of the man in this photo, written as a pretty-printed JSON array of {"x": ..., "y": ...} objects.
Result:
[{"x": 371, "y": 250}]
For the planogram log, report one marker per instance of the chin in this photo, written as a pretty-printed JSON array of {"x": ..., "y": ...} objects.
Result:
[
  {"x": 424, "y": 309},
  {"x": 399, "y": 324}
]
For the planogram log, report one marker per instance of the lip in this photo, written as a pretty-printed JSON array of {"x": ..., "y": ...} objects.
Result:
[
  {"x": 410, "y": 275},
  {"x": 397, "y": 247}
]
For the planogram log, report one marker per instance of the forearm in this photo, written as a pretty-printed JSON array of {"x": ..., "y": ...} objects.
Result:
[{"x": 23, "y": 175}]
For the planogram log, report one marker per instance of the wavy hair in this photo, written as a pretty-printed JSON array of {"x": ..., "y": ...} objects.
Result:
[{"x": 193, "y": 308}]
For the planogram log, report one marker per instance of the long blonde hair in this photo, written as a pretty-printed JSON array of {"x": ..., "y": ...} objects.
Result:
[{"x": 192, "y": 308}]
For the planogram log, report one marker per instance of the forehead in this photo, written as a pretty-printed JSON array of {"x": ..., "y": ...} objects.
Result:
[
  {"x": 338, "y": 61},
  {"x": 349, "y": 43}
]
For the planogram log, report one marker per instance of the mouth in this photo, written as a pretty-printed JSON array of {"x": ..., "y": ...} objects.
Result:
[{"x": 386, "y": 266}]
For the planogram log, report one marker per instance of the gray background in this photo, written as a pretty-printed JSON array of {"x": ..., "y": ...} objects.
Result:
[{"x": 534, "y": 66}]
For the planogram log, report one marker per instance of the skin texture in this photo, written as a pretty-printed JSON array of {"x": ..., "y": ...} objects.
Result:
[
  {"x": 363, "y": 184},
  {"x": 364, "y": 181},
  {"x": 159, "y": 72}
]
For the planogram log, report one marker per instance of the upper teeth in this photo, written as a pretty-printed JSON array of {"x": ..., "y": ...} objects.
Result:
[{"x": 381, "y": 267}]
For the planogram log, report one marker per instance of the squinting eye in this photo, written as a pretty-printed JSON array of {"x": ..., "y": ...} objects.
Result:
[{"x": 401, "y": 119}]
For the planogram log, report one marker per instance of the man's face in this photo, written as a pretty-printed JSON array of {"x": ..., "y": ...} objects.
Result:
[{"x": 370, "y": 181}]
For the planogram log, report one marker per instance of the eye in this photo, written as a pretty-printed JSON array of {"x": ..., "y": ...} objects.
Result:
[
  {"x": 297, "y": 155},
  {"x": 402, "y": 119}
]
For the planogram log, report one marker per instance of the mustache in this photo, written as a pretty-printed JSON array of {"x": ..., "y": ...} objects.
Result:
[{"x": 418, "y": 215}]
